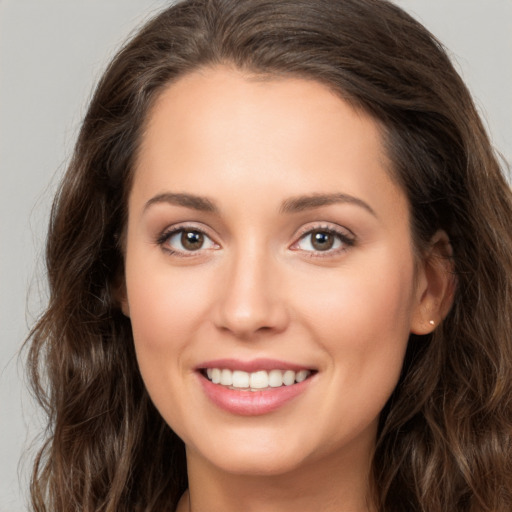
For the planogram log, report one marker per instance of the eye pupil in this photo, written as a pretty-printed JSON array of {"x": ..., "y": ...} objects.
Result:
[
  {"x": 192, "y": 240},
  {"x": 322, "y": 240}
]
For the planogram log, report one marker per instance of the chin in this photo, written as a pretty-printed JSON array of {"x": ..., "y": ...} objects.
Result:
[
  {"x": 265, "y": 457},
  {"x": 261, "y": 465}
]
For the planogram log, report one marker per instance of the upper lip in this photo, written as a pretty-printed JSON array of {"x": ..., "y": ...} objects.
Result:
[{"x": 252, "y": 365}]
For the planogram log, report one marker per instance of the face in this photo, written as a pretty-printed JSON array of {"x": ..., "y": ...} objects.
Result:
[{"x": 270, "y": 276}]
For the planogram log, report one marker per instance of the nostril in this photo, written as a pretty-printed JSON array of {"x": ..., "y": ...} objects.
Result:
[{"x": 246, "y": 321}]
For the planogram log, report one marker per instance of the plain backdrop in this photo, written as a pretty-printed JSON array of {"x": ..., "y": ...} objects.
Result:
[{"x": 51, "y": 54}]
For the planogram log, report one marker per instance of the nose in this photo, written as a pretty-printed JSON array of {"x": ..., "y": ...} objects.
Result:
[{"x": 251, "y": 301}]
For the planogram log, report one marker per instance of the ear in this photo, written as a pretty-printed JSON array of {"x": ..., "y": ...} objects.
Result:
[{"x": 436, "y": 284}]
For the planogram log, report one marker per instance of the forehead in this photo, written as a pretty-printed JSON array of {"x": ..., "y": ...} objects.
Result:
[
  {"x": 222, "y": 101},
  {"x": 219, "y": 126}
]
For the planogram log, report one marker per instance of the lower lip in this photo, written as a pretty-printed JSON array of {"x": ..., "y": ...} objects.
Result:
[{"x": 251, "y": 403}]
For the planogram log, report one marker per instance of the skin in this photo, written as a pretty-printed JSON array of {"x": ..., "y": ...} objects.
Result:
[{"x": 258, "y": 288}]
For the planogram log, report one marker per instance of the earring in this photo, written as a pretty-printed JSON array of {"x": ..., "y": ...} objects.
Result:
[{"x": 431, "y": 322}]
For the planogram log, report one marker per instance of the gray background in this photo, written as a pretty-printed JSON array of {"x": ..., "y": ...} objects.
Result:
[{"x": 51, "y": 54}]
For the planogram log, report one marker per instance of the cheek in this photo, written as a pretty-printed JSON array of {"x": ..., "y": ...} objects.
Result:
[
  {"x": 362, "y": 321},
  {"x": 164, "y": 303},
  {"x": 367, "y": 302},
  {"x": 165, "y": 309}
]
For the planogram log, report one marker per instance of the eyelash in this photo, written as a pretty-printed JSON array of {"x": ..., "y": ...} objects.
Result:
[{"x": 343, "y": 238}]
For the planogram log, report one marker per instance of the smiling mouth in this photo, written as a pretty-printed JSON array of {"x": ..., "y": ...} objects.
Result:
[{"x": 255, "y": 381}]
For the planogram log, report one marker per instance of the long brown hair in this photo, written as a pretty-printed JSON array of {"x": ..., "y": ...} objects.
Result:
[{"x": 444, "y": 442}]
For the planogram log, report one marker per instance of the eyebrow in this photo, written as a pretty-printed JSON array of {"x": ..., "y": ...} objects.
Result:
[
  {"x": 292, "y": 205},
  {"x": 192, "y": 201},
  {"x": 301, "y": 203}
]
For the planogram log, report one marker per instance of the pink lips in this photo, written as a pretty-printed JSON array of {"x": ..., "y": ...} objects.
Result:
[
  {"x": 250, "y": 403},
  {"x": 251, "y": 366}
]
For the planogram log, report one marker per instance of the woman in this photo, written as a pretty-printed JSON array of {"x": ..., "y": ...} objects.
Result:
[{"x": 280, "y": 267}]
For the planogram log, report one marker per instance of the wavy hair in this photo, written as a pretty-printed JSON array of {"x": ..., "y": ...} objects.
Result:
[{"x": 444, "y": 441}]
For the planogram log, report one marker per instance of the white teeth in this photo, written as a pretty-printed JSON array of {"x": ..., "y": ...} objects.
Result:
[
  {"x": 302, "y": 375},
  {"x": 255, "y": 381},
  {"x": 275, "y": 378},
  {"x": 259, "y": 380},
  {"x": 226, "y": 377},
  {"x": 215, "y": 375},
  {"x": 288, "y": 377},
  {"x": 240, "y": 379}
]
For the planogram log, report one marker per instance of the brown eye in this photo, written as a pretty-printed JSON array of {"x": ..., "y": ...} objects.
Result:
[
  {"x": 192, "y": 240},
  {"x": 322, "y": 240},
  {"x": 183, "y": 241}
]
